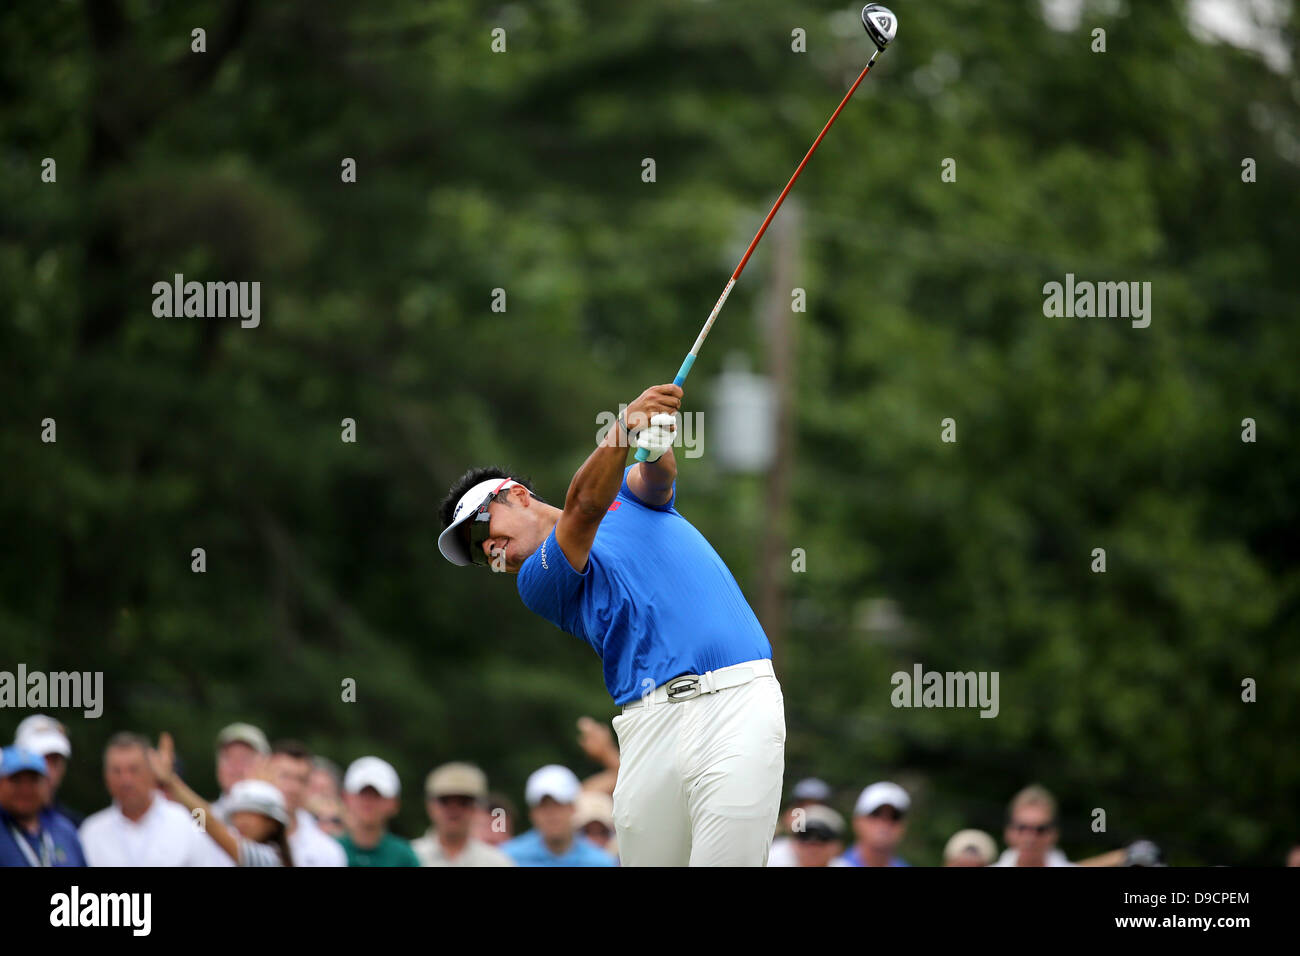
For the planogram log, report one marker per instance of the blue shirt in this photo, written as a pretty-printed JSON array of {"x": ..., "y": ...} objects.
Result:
[
  {"x": 852, "y": 858},
  {"x": 531, "y": 850},
  {"x": 655, "y": 601},
  {"x": 57, "y": 839}
]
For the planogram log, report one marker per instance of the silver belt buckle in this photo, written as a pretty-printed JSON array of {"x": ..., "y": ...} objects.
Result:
[{"x": 683, "y": 688}]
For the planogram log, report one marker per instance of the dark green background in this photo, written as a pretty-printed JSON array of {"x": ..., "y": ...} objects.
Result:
[{"x": 523, "y": 171}]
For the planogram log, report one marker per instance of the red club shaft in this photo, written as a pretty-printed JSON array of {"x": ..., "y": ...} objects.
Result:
[{"x": 781, "y": 198}]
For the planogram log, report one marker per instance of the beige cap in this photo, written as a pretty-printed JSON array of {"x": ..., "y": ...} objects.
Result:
[
  {"x": 243, "y": 734},
  {"x": 456, "y": 780},
  {"x": 976, "y": 841},
  {"x": 592, "y": 806}
]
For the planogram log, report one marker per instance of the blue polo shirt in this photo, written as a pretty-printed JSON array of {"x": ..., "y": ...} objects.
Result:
[
  {"x": 655, "y": 601},
  {"x": 853, "y": 858},
  {"x": 530, "y": 849},
  {"x": 56, "y": 840}
]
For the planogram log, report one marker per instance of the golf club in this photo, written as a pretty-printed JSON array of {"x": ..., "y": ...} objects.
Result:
[{"x": 881, "y": 25}]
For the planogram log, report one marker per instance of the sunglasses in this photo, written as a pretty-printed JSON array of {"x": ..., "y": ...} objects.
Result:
[
  {"x": 815, "y": 836},
  {"x": 456, "y": 800},
  {"x": 480, "y": 528},
  {"x": 886, "y": 813},
  {"x": 1039, "y": 828}
]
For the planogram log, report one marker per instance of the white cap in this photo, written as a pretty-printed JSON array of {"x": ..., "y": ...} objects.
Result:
[
  {"x": 42, "y": 735},
  {"x": 449, "y": 542},
  {"x": 883, "y": 794},
  {"x": 372, "y": 772},
  {"x": 559, "y": 783},
  {"x": 257, "y": 796},
  {"x": 965, "y": 841}
]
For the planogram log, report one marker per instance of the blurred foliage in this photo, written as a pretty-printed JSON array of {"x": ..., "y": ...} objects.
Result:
[{"x": 522, "y": 171}]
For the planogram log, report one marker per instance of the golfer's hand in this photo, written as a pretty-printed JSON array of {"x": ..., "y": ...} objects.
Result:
[
  {"x": 656, "y": 400},
  {"x": 658, "y": 438}
]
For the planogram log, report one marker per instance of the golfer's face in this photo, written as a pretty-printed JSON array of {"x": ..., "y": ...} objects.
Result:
[{"x": 508, "y": 532}]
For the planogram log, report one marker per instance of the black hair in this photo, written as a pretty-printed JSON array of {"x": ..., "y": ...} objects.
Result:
[
  {"x": 279, "y": 839},
  {"x": 471, "y": 478},
  {"x": 291, "y": 748}
]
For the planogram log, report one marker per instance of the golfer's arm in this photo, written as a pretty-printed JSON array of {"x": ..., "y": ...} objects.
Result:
[
  {"x": 652, "y": 481},
  {"x": 592, "y": 490}
]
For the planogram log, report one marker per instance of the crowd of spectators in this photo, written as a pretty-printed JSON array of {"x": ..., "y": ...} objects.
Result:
[{"x": 281, "y": 805}]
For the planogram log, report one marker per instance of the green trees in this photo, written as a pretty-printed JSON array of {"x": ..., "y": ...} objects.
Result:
[{"x": 522, "y": 171}]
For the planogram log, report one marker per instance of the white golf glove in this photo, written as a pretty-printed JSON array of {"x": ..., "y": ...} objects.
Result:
[{"x": 658, "y": 436}]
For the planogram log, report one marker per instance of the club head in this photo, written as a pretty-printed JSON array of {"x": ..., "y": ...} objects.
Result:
[{"x": 881, "y": 24}]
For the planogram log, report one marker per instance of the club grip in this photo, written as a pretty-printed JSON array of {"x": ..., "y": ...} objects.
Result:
[{"x": 641, "y": 453}]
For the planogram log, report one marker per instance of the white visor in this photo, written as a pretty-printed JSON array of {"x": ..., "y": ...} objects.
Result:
[{"x": 449, "y": 542}]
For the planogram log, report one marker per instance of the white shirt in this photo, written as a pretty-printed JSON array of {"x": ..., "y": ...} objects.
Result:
[
  {"x": 782, "y": 853},
  {"x": 309, "y": 845},
  {"x": 475, "y": 853},
  {"x": 1011, "y": 857},
  {"x": 165, "y": 836}
]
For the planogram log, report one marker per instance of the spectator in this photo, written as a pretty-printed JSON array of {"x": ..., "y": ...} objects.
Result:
[
  {"x": 551, "y": 792},
  {"x": 597, "y": 741},
  {"x": 818, "y": 838},
  {"x": 969, "y": 848},
  {"x": 371, "y": 792},
  {"x": 257, "y": 832},
  {"x": 807, "y": 793},
  {"x": 453, "y": 793},
  {"x": 47, "y": 737},
  {"x": 142, "y": 827},
  {"x": 31, "y": 832},
  {"x": 879, "y": 824},
  {"x": 326, "y": 780},
  {"x": 494, "y": 822},
  {"x": 238, "y": 748},
  {"x": 328, "y": 812},
  {"x": 593, "y": 817},
  {"x": 1293, "y": 856},
  {"x": 1031, "y": 830},
  {"x": 289, "y": 769}
]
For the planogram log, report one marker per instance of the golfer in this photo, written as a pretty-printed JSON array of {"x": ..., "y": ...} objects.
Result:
[{"x": 702, "y": 732}]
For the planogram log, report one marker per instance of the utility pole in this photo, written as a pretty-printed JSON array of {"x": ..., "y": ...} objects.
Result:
[{"x": 778, "y": 326}]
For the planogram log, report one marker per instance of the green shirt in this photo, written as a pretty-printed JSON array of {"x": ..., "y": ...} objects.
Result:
[{"x": 389, "y": 851}]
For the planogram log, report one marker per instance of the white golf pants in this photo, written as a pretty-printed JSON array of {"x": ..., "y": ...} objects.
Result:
[{"x": 699, "y": 780}]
